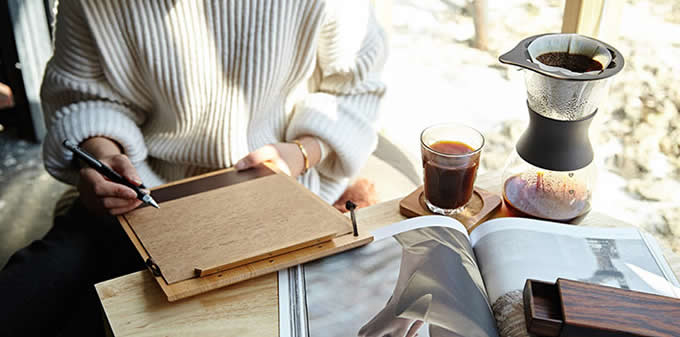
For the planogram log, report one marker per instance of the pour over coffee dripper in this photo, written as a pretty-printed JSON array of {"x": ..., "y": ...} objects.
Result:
[{"x": 551, "y": 174}]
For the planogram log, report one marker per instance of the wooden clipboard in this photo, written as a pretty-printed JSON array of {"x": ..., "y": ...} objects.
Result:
[{"x": 225, "y": 227}]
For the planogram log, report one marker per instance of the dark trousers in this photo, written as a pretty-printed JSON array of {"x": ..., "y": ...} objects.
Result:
[{"x": 47, "y": 288}]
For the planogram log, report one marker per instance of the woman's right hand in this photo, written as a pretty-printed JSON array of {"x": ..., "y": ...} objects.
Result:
[{"x": 97, "y": 193}]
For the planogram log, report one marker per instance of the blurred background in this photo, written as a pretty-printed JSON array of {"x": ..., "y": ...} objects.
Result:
[
  {"x": 443, "y": 66},
  {"x": 439, "y": 70}
]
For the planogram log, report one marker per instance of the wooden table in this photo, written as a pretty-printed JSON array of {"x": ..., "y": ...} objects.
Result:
[{"x": 135, "y": 305}]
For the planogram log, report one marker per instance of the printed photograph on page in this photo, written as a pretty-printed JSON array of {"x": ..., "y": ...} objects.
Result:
[
  {"x": 422, "y": 282},
  {"x": 508, "y": 257}
]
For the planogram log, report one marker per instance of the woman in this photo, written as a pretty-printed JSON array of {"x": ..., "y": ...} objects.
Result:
[{"x": 163, "y": 90}]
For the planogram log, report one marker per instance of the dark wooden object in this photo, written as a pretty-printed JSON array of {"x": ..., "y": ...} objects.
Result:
[
  {"x": 477, "y": 210},
  {"x": 572, "y": 308}
]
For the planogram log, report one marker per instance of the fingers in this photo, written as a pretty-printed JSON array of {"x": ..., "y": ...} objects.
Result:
[
  {"x": 121, "y": 164},
  {"x": 122, "y": 210},
  {"x": 109, "y": 189},
  {"x": 103, "y": 196},
  {"x": 283, "y": 166},
  {"x": 113, "y": 203},
  {"x": 265, "y": 153},
  {"x": 103, "y": 188}
]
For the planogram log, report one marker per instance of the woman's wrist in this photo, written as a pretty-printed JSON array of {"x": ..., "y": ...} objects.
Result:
[
  {"x": 312, "y": 149},
  {"x": 291, "y": 157},
  {"x": 101, "y": 147}
]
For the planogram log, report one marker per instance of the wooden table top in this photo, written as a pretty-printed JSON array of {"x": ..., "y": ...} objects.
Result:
[{"x": 135, "y": 305}]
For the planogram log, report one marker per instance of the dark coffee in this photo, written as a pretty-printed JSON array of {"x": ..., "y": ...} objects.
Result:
[
  {"x": 449, "y": 181},
  {"x": 575, "y": 62}
]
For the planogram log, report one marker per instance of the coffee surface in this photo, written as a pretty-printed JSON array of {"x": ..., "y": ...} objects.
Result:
[
  {"x": 575, "y": 62},
  {"x": 451, "y": 147}
]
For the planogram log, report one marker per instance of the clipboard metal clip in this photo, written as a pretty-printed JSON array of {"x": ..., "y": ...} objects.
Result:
[
  {"x": 153, "y": 267},
  {"x": 350, "y": 206}
]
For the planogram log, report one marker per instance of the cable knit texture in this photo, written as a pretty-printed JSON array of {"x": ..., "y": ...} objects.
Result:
[{"x": 189, "y": 86}]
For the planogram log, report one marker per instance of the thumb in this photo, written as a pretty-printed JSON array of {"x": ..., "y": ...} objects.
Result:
[
  {"x": 124, "y": 167},
  {"x": 267, "y": 152}
]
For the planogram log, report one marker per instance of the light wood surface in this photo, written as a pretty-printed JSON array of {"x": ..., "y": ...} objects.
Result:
[
  {"x": 195, "y": 233},
  {"x": 480, "y": 207},
  {"x": 135, "y": 305},
  {"x": 600, "y": 19},
  {"x": 480, "y": 18}
]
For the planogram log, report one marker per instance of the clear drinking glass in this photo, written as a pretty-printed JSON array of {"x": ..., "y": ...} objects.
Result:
[{"x": 450, "y": 154}]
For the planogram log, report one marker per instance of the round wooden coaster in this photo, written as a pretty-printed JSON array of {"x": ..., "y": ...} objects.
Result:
[
  {"x": 472, "y": 208},
  {"x": 480, "y": 207}
]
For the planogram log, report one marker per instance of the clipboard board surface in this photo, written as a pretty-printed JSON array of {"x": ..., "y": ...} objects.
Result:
[{"x": 228, "y": 226}]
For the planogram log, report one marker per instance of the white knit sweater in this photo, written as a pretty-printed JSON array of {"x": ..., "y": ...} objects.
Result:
[{"x": 189, "y": 86}]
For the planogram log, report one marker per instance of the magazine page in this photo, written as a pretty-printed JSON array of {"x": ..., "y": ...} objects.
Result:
[
  {"x": 419, "y": 277},
  {"x": 511, "y": 250}
]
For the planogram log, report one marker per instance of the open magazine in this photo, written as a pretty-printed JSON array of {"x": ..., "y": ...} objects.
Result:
[{"x": 426, "y": 276}]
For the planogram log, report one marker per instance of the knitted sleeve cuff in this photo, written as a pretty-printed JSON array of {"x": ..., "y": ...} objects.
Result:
[
  {"x": 345, "y": 123},
  {"x": 323, "y": 148},
  {"x": 84, "y": 120}
]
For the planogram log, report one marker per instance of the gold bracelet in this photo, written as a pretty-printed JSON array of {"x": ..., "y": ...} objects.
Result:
[{"x": 304, "y": 155}]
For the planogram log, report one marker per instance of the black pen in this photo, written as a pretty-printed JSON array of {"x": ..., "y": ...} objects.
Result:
[{"x": 108, "y": 172}]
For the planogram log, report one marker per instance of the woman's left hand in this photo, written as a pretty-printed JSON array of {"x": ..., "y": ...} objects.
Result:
[{"x": 287, "y": 157}]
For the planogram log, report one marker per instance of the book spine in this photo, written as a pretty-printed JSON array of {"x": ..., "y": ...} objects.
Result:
[{"x": 298, "y": 302}]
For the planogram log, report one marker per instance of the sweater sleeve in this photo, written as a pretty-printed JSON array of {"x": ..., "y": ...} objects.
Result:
[
  {"x": 79, "y": 102},
  {"x": 344, "y": 110}
]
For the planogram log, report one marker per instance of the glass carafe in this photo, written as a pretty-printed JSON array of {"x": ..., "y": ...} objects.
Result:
[
  {"x": 531, "y": 191},
  {"x": 551, "y": 174}
]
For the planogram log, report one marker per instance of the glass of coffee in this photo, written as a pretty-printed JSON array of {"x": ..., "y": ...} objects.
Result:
[{"x": 450, "y": 155}]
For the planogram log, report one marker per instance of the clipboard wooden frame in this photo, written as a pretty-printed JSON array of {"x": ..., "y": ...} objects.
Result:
[{"x": 218, "y": 278}]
